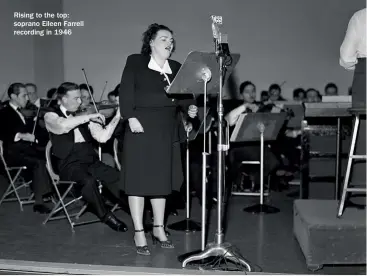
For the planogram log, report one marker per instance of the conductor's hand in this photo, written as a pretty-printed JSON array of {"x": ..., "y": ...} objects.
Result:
[
  {"x": 193, "y": 111},
  {"x": 135, "y": 126},
  {"x": 97, "y": 118},
  {"x": 188, "y": 127}
]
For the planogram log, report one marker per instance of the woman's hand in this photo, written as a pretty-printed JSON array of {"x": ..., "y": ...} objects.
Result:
[
  {"x": 193, "y": 111},
  {"x": 135, "y": 126},
  {"x": 188, "y": 127},
  {"x": 118, "y": 113}
]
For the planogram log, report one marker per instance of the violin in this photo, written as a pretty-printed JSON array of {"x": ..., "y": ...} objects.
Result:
[
  {"x": 105, "y": 108},
  {"x": 31, "y": 110}
]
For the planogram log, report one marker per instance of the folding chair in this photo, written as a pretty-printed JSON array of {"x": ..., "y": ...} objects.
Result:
[
  {"x": 115, "y": 153},
  {"x": 61, "y": 198},
  {"x": 16, "y": 182},
  {"x": 118, "y": 165}
]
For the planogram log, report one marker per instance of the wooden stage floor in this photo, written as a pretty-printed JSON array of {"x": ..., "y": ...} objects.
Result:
[{"x": 266, "y": 241}]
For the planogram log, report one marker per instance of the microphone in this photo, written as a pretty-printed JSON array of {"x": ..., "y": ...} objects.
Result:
[
  {"x": 220, "y": 40},
  {"x": 216, "y": 20},
  {"x": 205, "y": 74}
]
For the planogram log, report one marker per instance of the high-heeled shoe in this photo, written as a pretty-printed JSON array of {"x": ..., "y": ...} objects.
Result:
[
  {"x": 142, "y": 250},
  {"x": 164, "y": 244}
]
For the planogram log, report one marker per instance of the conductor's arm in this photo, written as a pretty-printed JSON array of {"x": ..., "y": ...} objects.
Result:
[{"x": 348, "y": 49}]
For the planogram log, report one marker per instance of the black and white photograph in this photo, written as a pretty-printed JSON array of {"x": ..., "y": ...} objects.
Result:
[{"x": 183, "y": 137}]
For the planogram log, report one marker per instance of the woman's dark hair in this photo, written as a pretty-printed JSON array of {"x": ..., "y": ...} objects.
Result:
[
  {"x": 65, "y": 88},
  {"x": 245, "y": 84},
  {"x": 151, "y": 34},
  {"x": 14, "y": 88}
]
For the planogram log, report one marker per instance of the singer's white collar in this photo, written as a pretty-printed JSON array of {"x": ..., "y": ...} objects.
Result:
[{"x": 154, "y": 66}]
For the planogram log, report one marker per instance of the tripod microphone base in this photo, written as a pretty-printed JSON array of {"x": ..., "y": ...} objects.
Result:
[
  {"x": 261, "y": 208},
  {"x": 220, "y": 251},
  {"x": 186, "y": 225}
]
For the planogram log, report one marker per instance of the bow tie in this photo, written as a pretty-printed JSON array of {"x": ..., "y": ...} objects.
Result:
[{"x": 68, "y": 113}]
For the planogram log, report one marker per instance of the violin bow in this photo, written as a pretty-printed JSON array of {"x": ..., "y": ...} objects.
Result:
[
  {"x": 104, "y": 89},
  {"x": 90, "y": 92},
  {"x": 95, "y": 106},
  {"x": 36, "y": 119},
  {"x": 2, "y": 96}
]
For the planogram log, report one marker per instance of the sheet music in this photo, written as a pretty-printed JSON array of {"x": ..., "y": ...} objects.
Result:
[
  {"x": 247, "y": 128},
  {"x": 238, "y": 127}
]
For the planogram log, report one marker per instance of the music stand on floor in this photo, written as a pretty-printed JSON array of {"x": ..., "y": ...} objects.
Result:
[{"x": 261, "y": 127}]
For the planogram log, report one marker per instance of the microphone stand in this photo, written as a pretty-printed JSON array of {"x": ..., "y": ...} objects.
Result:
[
  {"x": 218, "y": 249},
  {"x": 188, "y": 225}
]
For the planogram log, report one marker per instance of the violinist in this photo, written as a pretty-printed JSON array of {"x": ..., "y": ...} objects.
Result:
[
  {"x": 33, "y": 94},
  {"x": 112, "y": 97},
  {"x": 21, "y": 146},
  {"x": 72, "y": 138},
  {"x": 248, "y": 151},
  {"x": 85, "y": 96}
]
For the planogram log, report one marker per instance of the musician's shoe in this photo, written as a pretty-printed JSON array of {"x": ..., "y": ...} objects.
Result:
[
  {"x": 114, "y": 223},
  {"x": 41, "y": 208}
]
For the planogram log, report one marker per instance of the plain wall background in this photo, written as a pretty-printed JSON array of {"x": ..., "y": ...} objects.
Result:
[
  {"x": 16, "y": 52},
  {"x": 29, "y": 58},
  {"x": 296, "y": 41}
]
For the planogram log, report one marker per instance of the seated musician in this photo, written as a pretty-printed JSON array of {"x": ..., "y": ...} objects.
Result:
[
  {"x": 275, "y": 93},
  {"x": 33, "y": 94},
  {"x": 78, "y": 161},
  {"x": 249, "y": 151},
  {"x": 299, "y": 94},
  {"x": 112, "y": 97},
  {"x": 313, "y": 96},
  {"x": 331, "y": 89},
  {"x": 85, "y": 96},
  {"x": 20, "y": 145}
]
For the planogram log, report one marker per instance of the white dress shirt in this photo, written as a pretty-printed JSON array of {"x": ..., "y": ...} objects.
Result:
[
  {"x": 60, "y": 125},
  {"x": 354, "y": 44}
]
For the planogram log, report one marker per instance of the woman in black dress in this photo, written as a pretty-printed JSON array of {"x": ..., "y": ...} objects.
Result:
[{"x": 151, "y": 162}]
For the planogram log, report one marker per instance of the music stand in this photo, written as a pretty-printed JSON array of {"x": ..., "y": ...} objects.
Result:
[
  {"x": 296, "y": 110},
  {"x": 261, "y": 127},
  {"x": 201, "y": 69}
]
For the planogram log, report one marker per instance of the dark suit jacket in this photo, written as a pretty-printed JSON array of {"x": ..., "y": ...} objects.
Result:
[
  {"x": 141, "y": 90},
  {"x": 11, "y": 124}
]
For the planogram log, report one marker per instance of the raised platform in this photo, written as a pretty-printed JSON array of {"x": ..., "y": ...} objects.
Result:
[
  {"x": 28, "y": 247},
  {"x": 326, "y": 239}
]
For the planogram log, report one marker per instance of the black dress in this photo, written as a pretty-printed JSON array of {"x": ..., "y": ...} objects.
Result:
[{"x": 151, "y": 161}]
